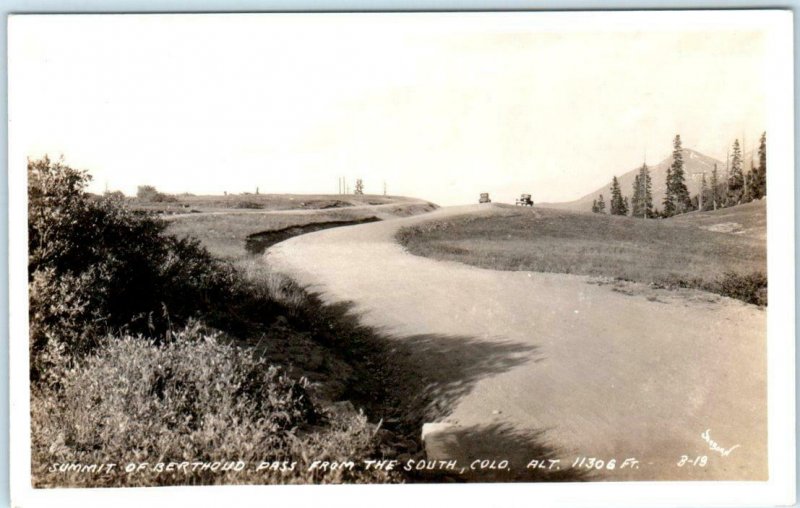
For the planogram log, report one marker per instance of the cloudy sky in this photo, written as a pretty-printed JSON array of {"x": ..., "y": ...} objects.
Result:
[{"x": 440, "y": 106}]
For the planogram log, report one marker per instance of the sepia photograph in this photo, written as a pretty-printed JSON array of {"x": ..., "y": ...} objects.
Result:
[{"x": 402, "y": 248}]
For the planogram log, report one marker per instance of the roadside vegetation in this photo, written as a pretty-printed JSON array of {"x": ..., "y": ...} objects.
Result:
[
  {"x": 144, "y": 347},
  {"x": 658, "y": 252}
]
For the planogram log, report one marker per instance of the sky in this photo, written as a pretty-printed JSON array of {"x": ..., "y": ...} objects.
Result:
[{"x": 440, "y": 107}]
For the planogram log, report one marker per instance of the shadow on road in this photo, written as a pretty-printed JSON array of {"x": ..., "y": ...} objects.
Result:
[
  {"x": 407, "y": 381},
  {"x": 498, "y": 452}
]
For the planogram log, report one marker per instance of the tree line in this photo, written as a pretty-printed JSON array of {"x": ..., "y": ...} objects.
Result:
[{"x": 718, "y": 191}]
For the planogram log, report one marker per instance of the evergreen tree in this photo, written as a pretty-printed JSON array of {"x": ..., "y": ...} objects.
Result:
[
  {"x": 642, "y": 200},
  {"x": 594, "y": 206},
  {"x": 626, "y": 205},
  {"x": 601, "y": 205},
  {"x": 736, "y": 178},
  {"x": 676, "y": 184},
  {"x": 618, "y": 206},
  {"x": 669, "y": 197},
  {"x": 647, "y": 185},
  {"x": 761, "y": 177},
  {"x": 715, "y": 191}
]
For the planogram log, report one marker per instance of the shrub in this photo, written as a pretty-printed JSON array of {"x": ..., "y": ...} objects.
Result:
[
  {"x": 96, "y": 267},
  {"x": 249, "y": 205},
  {"x": 114, "y": 195},
  {"x": 750, "y": 288},
  {"x": 191, "y": 398},
  {"x": 149, "y": 193}
]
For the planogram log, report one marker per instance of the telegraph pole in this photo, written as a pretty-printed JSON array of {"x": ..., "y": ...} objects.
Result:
[
  {"x": 643, "y": 191},
  {"x": 702, "y": 175}
]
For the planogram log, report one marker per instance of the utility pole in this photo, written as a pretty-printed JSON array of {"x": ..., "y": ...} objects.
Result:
[
  {"x": 727, "y": 172},
  {"x": 384, "y": 187},
  {"x": 642, "y": 191},
  {"x": 702, "y": 175}
]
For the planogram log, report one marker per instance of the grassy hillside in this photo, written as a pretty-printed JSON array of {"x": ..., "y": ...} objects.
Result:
[
  {"x": 225, "y": 234},
  {"x": 749, "y": 219},
  {"x": 188, "y": 203},
  {"x": 662, "y": 252}
]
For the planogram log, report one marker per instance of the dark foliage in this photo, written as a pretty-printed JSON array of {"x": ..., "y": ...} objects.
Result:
[
  {"x": 96, "y": 267},
  {"x": 751, "y": 288}
]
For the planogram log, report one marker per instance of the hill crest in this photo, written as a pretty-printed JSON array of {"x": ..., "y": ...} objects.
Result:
[{"x": 695, "y": 163}]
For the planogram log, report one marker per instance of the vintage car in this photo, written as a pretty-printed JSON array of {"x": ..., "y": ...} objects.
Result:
[
  {"x": 525, "y": 200},
  {"x": 485, "y": 198}
]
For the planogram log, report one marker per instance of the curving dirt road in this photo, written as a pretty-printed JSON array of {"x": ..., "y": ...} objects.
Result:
[{"x": 532, "y": 366}]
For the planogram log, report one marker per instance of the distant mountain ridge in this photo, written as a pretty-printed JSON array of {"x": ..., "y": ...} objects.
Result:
[{"x": 693, "y": 162}]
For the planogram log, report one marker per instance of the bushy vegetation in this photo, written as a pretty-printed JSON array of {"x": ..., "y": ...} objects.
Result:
[
  {"x": 137, "y": 348},
  {"x": 96, "y": 268},
  {"x": 151, "y": 194},
  {"x": 252, "y": 205},
  {"x": 750, "y": 287},
  {"x": 193, "y": 399}
]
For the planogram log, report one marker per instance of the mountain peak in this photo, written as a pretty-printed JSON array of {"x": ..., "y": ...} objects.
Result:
[{"x": 694, "y": 164}]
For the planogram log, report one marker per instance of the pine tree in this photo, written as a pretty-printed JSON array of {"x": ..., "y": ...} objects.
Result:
[
  {"x": 669, "y": 197},
  {"x": 736, "y": 178},
  {"x": 642, "y": 200},
  {"x": 676, "y": 183},
  {"x": 618, "y": 206},
  {"x": 715, "y": 192},
  {"x": 636, "y": 197},
  {"x": 601, "y": 205},
  {"x": 626, "y": 206},
  {"x": 647, "y": 185},
  {"x": 761, "y": 180},
  {"x": 749, "y": 179},
  {"x": 594, "y": 206}
]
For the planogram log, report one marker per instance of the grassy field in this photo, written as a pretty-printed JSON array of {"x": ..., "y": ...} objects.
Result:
[
  {"x": 749, "y": 219},
  {"x": 225, "y": 233},
  {"x": 662, "y": 252},
  {"x": 188, "y": 203}
]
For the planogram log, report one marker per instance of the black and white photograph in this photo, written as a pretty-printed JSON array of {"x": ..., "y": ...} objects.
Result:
[{"x": 496, "y": 248}]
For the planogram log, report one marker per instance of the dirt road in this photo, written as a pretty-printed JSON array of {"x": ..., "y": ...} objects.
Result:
[{"x": 531, "y": 366}]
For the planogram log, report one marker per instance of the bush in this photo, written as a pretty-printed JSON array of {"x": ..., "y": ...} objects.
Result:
[
  {"x": 114, "y": 195},
  {"x": 97, "y": 268},
  {"x": 249, "y": 205},
  {"x": 191, "y": 398},
  {"x": 149, "y": 193},
  {"x": 750, "y": 288}
]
